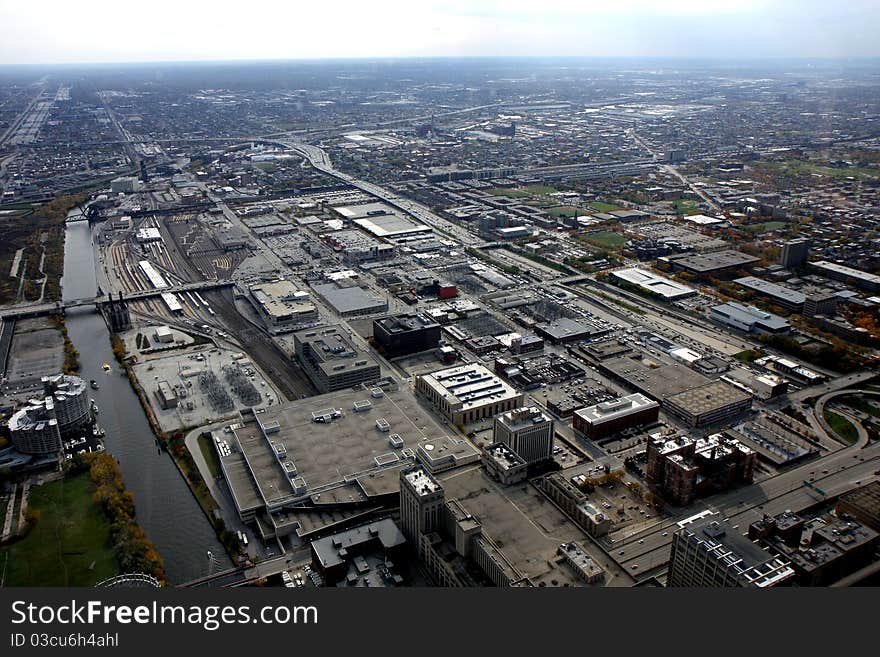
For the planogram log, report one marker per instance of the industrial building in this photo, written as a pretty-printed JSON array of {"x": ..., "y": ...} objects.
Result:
[
  {"x": 708, "y": 404},
  {"x": 749, "y": 319},
  {"x": 710, "y": 263},
  {"x": 782, "y": 296},
  {"x": 331, "y": 360},
  {"x": 349, "y": 300},
  {"x": 467, "y": 393},
  {"x": 708, "y": 552},
  {"x": 863, "y": 504},
  {"x": 401, "y": 335},
  {"x": 320, "y": 464},
  {"x": 528, "y": 432},
  {"x": 340, "y": 557},
  {"x": 610, "y": 417},
  {"x": 683, "y": 468},
  {"x": 857, "y": 277},
  {"x": 565, "y": 330},
  {"x": 282, "y": 306},
  {"x": 658, "y": 286}
]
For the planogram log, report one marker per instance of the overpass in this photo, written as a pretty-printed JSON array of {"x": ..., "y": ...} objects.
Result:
[{"x": 21, "y": 311}]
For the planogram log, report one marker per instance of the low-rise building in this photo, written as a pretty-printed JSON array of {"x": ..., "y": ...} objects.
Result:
[
  {"x": 467, "y": 393},
  {"x": 749, "y": 319},
  {"x": 282, "y": 305},
  {"x": 607, "y": 418},
  {"x": 401, "y": 335},
  {"x": 331, "y": 360},
  {"x": 709, "y": 404}
]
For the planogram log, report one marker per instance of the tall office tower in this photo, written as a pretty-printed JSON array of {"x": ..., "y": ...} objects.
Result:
[
  {"x": 708, "y": 552},
  {"x": 421, "y": 504},
  {"x": 795, "y": 252},
  {"x": 528, "y": 432}
]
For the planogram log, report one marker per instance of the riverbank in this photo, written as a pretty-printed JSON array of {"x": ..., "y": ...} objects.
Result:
[
  {"x": 174, "y": 443},
  {"x": 166, "y": 508}
]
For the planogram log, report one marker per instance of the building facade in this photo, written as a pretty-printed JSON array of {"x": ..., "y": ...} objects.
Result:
[{"x": 528, "y": 432}]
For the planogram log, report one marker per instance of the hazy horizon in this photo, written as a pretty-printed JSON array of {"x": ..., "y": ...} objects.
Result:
[{"x": 103, "y": 32}]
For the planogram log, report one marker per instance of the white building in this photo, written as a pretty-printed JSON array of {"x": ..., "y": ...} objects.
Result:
[{"x": 467, "y": 393}]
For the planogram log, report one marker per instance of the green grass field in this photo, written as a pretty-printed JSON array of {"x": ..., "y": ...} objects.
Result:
[
  {"x": 766, "y": 227},
  {"x": 685, "y": 206},
  {"x": 800, "y": 167},
  {"x": 210, "y": 454},
  {"x": 841, "y": 426},
  {"x": 71, "y": 534},
  {"x": 606, "y": 238},
  {"x": 598, "y": 206},
  {"x": 563, "y": 211}
]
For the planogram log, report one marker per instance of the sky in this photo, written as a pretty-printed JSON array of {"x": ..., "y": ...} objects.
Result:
[{"x": 77, "y": 31}]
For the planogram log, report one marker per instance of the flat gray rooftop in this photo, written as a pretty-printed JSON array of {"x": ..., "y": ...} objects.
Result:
[
  {"x": 519, "y": 519},
  {"x": 338, "y": 457}
]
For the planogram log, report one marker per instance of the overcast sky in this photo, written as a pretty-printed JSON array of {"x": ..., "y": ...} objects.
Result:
[{"x": 51, "y": 31}]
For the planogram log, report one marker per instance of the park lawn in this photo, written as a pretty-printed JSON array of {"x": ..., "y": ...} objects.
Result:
[
  {"x": 795, "y": 167},
  {"x": 599, "y": 206},
  {"x": 841, "y": 426},
  {"x": 206, "y": 444},
  {"x": 70, "y": 534},
  {"x": 606, "y": 238},
  {"x": 766, "y": 227},
  {"x": 748, "y": 356}
]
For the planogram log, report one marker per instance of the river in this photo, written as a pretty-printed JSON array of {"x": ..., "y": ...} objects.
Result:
[{"x": 166, "y": 509}]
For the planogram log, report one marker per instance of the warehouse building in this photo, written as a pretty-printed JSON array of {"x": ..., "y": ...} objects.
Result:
[
  {"x": 710, "y": 263},
  {"x": 749, "y": 319},
  {"x": 282, "y": 306},
  {"x": 708, "y": 404},
  {"x": 655, "y": 285},
  {"x": 782, "y": 296}
]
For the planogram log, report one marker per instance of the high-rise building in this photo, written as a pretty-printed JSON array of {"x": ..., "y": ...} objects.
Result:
[
  {"x": 708, "y": 552},
  {"x": 421, "y": 504},
  {"x": 37, "y": 427},
  {"x": 528, "y": 432},
  {"x": 795, "y": 252}
]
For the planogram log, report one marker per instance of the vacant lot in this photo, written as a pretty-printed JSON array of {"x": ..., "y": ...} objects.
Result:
[{"x": 69, "y": 544}]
